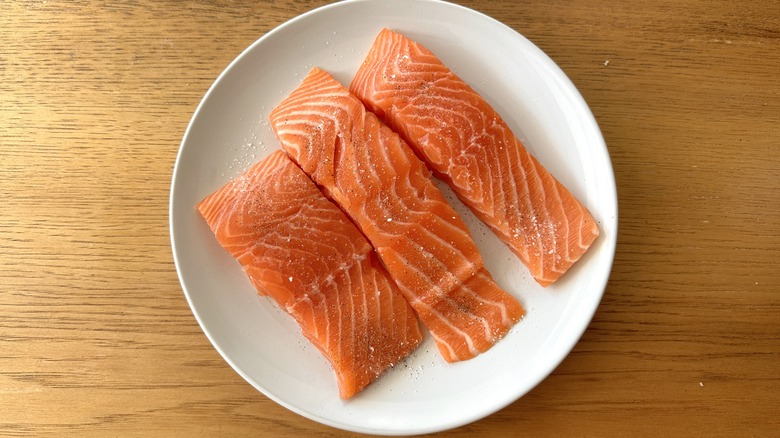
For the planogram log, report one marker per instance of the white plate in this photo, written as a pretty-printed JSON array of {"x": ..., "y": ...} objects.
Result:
[{"x": 229, "y": 131}]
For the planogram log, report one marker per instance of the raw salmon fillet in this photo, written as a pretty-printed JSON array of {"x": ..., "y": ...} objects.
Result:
[
  {"x": 300, "y": 249},
  {"x": 466, "y": 143},
  {"x": 388, "y": 192}
]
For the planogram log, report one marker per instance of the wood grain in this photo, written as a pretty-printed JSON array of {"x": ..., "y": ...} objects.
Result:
[{"x": 96, "y": 338}]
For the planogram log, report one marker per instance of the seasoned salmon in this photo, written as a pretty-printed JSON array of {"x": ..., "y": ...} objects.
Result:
[
  {"x": 300, "y": 249},
  {"x": 372, "y": 174},
  {"x": 467, "y": 144}
]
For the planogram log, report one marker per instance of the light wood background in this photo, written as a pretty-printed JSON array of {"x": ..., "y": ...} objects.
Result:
[{"x": 96, "y": 338}]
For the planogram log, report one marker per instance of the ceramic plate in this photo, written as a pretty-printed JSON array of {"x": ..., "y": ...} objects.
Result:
[{"x": 229, "y": 131}]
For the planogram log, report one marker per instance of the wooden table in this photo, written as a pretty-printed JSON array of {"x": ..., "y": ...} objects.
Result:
[{"x": 96, "y": 337}]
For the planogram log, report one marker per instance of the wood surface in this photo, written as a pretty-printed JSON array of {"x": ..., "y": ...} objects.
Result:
[{"x": 97, "y": 339}]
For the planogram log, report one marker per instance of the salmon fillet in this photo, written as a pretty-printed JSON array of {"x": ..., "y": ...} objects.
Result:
[
  {"x": 466, "y": 143},
  {"x": 300, "y": 249},
  {"x": 370, "y": 172}
]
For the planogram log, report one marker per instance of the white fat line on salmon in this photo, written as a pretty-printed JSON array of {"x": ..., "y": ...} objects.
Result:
[
  {"x": 322, "y": 111},
  {"x": 504, "y": 199},
  {"x": 552, "y": 228},
  {"x": 249, "y": 250},
  {"x": 452, "y": 230},
  {"x": 448, "y": 323},
  {"x": 442, "y": 221},
  {"x": 440, "y": 341},
  {"x": 476, "y": 198},
  {"x": 545, "y": 237},
  {"x": 304, "y": 93},
  {"x": 351, "y": 296},
  {"x": 479, "y": 319},
  {"x": 501, "y": 306},
  {"x": 316, "y": 288},
  {"x": 450, "y": 276},
  {"x": 580, "y": 234}
]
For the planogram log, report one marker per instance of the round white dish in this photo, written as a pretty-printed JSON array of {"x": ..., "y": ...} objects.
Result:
[{"x": 229, "y": 131}]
